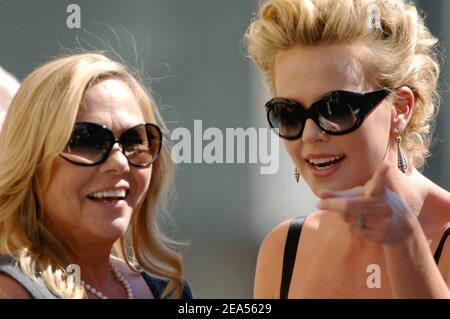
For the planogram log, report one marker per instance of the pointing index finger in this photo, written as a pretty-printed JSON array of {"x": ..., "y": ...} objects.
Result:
[{"x": 379, "y": 181}]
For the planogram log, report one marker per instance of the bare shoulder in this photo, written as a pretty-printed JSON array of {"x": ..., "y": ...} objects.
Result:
[
  {"x": 11, "y": 289},
  {"x": 444, "y": 260},
  {"x": 270, "y": 259},
  {"x": 269, "y": 263},
  {"x": 276, "y": 238},
  {"x": 435, "y": 224},
  {"x": 273, "y": 243}
]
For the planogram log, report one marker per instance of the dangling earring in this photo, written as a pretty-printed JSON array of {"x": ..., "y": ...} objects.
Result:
[
  {"x": 402, "y": 161},
  {"x": 296, "y": 174}
]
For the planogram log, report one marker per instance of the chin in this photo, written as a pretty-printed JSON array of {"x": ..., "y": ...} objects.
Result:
[
  {"x": 333, "y": 185},
  {"x": 111, "y": 230}
]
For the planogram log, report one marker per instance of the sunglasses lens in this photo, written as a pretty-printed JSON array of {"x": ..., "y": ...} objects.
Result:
[
  {"x": 88, "y": 144},
  {"x": 142, "y": 144},
  {"x": 337, "y": 115},
  {"x": 286, "y": 120}
]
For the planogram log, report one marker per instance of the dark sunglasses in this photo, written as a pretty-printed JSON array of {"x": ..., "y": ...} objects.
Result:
[
  {"x": 91, "y": 144},
  {"x": 337, "y": 113}
]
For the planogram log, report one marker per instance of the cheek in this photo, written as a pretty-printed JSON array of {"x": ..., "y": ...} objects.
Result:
[
  {"x": 368, "y": 144},
  {"x": 293, "y": 148},
  {"x": 375, "y": 134},
  {"x": 142, "y": 178},
  {"x": 365, "y": 149},
  {"x": 62, "y": 196}
]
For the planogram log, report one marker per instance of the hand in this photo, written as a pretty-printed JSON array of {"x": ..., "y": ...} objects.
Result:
[{"x": 385, "y": 217}]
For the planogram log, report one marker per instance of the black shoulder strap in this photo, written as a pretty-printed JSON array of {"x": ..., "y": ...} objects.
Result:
[
  {"x": 290, "y": 252},
  {"x": 438, "y": 252}
]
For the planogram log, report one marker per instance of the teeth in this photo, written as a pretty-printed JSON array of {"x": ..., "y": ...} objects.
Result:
[
  {"x": 121, "y": 193},
  {"x": 317, "y": 161}
]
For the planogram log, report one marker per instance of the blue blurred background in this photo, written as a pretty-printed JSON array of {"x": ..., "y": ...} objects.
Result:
[{"x": 197, "y": 61}]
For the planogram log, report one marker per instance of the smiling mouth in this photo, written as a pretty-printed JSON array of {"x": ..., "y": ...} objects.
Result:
[
  {"x": 325, "y": 163},
  {"x": 109, "y": 196}
]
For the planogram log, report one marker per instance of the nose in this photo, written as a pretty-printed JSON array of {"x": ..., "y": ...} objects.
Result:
[
  {"x": 116, "y": 163},
  {"x": 312, "y": 133}
]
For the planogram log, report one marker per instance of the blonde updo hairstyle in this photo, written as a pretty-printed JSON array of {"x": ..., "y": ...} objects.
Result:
[
  {"x": 400, "y": 50},
  {"x": 37, "y": 127}
]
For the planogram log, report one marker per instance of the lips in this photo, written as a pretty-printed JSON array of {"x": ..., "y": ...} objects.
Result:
[
  {"x": 111, "y": 195},
  {"x": 114, "y": 193},
  {"x": 325, "y": 162}
]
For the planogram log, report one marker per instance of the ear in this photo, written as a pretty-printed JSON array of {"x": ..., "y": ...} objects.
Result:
[{"x": 402, "y": 102}]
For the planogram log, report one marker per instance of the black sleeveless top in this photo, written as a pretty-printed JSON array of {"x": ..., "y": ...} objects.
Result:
[
  {"x": 290, "y": 252},
  {"x": 39, "y": 290}
]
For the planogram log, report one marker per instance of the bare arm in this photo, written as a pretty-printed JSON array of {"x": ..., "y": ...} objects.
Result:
[{"x": 412, "y": 270}]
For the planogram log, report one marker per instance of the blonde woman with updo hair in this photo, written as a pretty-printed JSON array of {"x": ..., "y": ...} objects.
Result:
[
  {"x": 354, "y": 100},
  {"x": 84, "y": 174}
]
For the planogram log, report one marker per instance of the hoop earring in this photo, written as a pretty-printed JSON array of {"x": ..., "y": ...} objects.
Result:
[
  {"x": 402, "y": 161},
  {"x": 296, "y": 174}
]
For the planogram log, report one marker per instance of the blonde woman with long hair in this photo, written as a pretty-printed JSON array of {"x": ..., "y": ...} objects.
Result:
[
  {"x": 8, "y": 87},
  {"x": 354, "y": 100},
  {"x": 84, "y": 172}
]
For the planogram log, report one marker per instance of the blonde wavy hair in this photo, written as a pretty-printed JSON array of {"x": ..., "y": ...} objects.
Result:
[
  {"x": 36, "y": 130},
  {"x": 400, "y": 50},
  {"x": 8, "y": 87}
]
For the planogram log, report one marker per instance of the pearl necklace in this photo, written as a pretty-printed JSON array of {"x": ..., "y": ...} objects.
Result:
[{"x": 118, "y": 275}]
